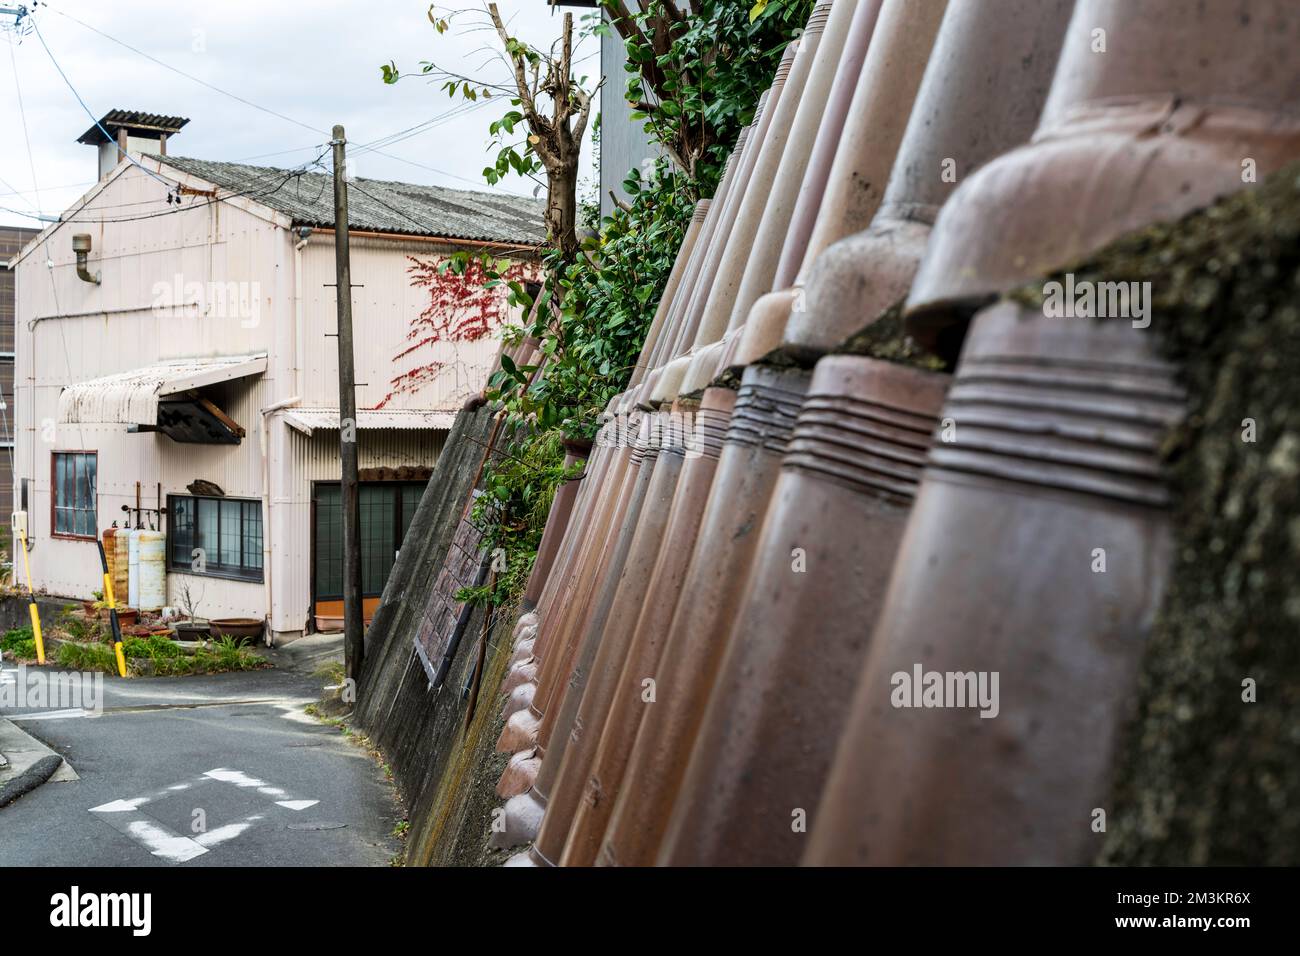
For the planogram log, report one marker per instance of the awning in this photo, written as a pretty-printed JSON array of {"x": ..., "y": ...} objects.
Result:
[
  {"x": 131, "y": 398},
  {"x": 307, "y": 420}
]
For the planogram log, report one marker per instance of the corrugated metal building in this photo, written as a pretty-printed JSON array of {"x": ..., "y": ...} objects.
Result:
[{"x": 205, "y": 356}]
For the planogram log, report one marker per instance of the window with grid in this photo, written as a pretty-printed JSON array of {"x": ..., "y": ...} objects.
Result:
[
  {"x": 74, "y": 494},
  {"x": 387, "y": 508},
  {"x": 228, "y": 530}
]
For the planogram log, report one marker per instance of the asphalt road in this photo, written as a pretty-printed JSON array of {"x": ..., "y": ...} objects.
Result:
[{"x": 218, "y": 770}]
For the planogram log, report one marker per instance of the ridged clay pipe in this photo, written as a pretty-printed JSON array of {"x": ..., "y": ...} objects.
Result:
[
  {"x": 1186, "y": 104},
  {"x": 730, "y": 265},
  {"x": 982, "y": 94},
  {"x": 764, "y": 252},
  {"x": 744, "y": 475},
  {"x": 1004, "y": 661},
  {"x": 761, "y": 141},
  {"x": 563, "y": 718},
  {"x": 680, "y": 266},
  {"x": 822, "y": 562},
  {"x": 572, "y": 789},
  {"x": 631, "y": 836},
  {"x": 891, "y": 76},
  {"x": 635, "y": 690}
]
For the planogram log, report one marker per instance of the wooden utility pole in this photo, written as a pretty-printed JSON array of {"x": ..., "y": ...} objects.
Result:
[{"x": 354, "y": 647}]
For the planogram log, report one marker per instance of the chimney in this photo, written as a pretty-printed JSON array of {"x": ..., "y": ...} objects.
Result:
[{"x": 129, "y": 131}]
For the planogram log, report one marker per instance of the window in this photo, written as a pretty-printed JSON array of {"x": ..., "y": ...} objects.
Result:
[
  {"x": 73, "y": 500},
  {"x": 387, "y": 508},
  {"x": 228, "y": 530}
]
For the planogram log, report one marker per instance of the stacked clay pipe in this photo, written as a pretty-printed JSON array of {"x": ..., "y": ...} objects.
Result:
[
  {"x": 778, "y": 519},
  {"x": 852, "y": 466},
  {"x": 1053, "y": 458}
]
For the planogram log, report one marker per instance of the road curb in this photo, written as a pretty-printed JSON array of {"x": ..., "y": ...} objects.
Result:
[{"x": 29, "y": 779}]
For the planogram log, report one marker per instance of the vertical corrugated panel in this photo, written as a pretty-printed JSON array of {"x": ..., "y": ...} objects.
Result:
[{"x": 306, "y": 460}]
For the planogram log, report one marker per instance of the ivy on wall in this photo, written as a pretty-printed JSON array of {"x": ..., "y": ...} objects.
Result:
[
  {"x": 464, "y": 305},
  {"x": 694, "y": 79}
]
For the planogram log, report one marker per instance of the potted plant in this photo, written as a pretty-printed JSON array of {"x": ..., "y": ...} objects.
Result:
[{"x": 192, "y": 627}]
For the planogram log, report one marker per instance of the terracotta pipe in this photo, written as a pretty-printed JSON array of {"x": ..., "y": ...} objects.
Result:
[
  {"x": 561, "y": 722},
  {"x": 813, "y": 188},
  {"x": 604, "y": 582},
  {"x": 592, "y": 477},
  {"x": 557, "y": 519},
  {"x": 760, "y": 134},
  {"x": 1058, "y": 425},
  {"x": 628, "y": 839},
  {"x": 824, "y": 555},
  {"x": 520, "y": 682},
  {"x": 646, "y": 618},
  {"x": 567, "y": 663},
  {"x": 615, "y": 637},
  {"x": 763, "y": 415},
  {"x": 891, "y": 75},
  {"x": 1160, "y": 124},
  {"x": 584, "y": 595},
  {"x": 681, "y": 265},
  {"x": 559, "y": 631},
  {"x": 718, "y": 213},
  {"x": 759, "y": 266},
  {"x": 526, "y": 626},
  {"x": 983, "y": 91},
  {"x": 730, "y": 265}
]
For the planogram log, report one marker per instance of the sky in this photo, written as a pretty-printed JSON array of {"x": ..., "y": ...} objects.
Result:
[{"x": 316, "y": 62}]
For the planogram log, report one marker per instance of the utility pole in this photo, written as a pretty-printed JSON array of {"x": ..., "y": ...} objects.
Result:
[{"x": 354, "y": 647}]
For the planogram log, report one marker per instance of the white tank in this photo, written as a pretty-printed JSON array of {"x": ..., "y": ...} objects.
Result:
[
  {"x": 133, "y": 564},
  {"x": 152, "y": 590}
]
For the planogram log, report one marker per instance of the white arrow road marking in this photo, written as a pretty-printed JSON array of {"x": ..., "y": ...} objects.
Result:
[
  {"x": 120, "y": 806},
  {"x": 126, "y": 817},
  {"x": 297, "y": 804},
  {"x": 54, "y": 714}
]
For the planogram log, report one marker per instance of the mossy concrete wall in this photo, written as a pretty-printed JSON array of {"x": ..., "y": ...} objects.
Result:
[
  {"x": 1207, "y": 773},
  {"x": 420, "y": 729}
]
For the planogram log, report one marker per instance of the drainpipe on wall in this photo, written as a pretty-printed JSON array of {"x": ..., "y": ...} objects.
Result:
[
  {"x": 81, "y": 246},
  {"x": 266, "y": 508}
]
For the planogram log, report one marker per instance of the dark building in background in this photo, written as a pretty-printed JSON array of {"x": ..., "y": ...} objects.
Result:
[
  {"x": 12, "y": 239},
  {"x": 624, "y": 143}
]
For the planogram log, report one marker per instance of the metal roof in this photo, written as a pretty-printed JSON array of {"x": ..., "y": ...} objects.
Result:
[
  {"x": 134, "y": 122},
  {"x": 307, "y": 420},
  {"x": 376, "y": 205},
  {"x": 131, "y": 398}
]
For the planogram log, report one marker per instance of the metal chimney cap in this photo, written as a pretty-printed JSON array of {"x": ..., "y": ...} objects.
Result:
[
  {"x": 81, "y": 242},
  {"x": 136, "y": 123}
]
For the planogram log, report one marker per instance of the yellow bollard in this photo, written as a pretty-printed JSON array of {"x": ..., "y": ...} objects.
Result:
[
  {"x": 112, "y": 610},
  {"x": 31, "y": 600}
]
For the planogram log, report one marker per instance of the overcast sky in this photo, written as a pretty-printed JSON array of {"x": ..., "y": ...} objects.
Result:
[{"x": 314, "y": 61}]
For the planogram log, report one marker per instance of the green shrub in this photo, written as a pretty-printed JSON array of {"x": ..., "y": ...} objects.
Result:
[
  {"x": 87, "y": 657},
  {"x": 17, "y": 638}
]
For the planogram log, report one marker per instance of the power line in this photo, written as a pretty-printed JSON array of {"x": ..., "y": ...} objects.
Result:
[
  {"x": 22, "y": 112},
  {"x": 125, "y": 155},
  {"x": 373, "y": 146},
  {"x": 189, "y": 76},
  {"x": 249, "y": 191}
]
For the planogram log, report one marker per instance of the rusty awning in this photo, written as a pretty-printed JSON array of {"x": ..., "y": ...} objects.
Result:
[
  {"x": 307, "y": 420},
  {"x": 132, "y": 397}
]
